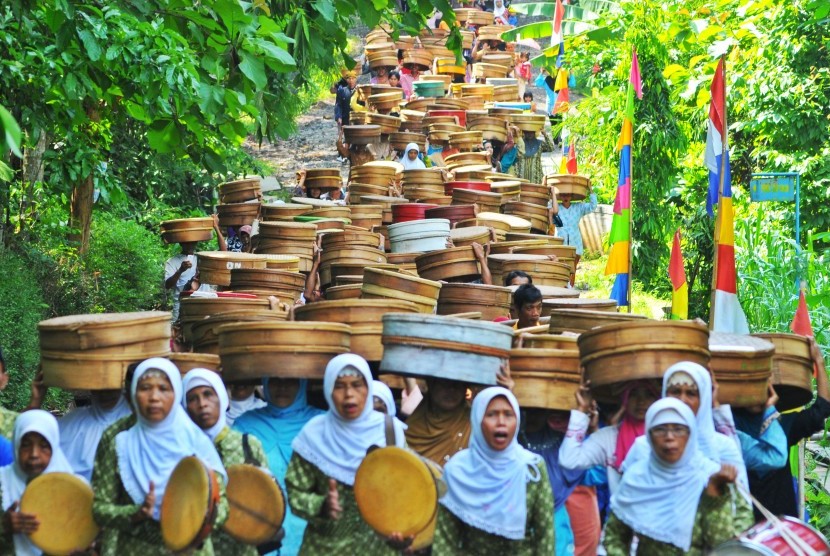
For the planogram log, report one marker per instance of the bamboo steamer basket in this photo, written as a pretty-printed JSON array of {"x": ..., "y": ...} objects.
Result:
[
  {"x": 357, "y": 191},
  {"x": 237, "y": 214},
  {"x": 357, "y": 118},
  {"x": 467, "y": 236},
  {"x": 529, "y": 122},
  {"x": 456, "y": 349},
  {"x": 288, "y": 263},
  {"x": 458, "y": 264},
  {"x": 423, "y": 177},
  {"x": 285, "y": 212},
  {"x": 643, "y": 350},
  {"x": 792, "y": 369},
  {"x": 215, "y": 266},
  {"x": 474, "y": 16},
  {"x": 94, "y": 331},
  {"x": 742, "y": 366},
  {"x": 196, "y": 309},
  {"x": 545, "y": 378},
  {"x": 293, "y": 349},
  {"x": 186, "y": 362},
  {"x": 388, "y": 124},
  {"x": 467, "y": 158},
  {"x": 187, "y": 230},
  {"x": 588, "y": 305},
  {"x": 384, "y": 284},
  {"x": 434, "y": 119},
  {"x": 485, "y": 201},
  {"x": 378, "y": 36},
  {"x": 491, "y": 128},
  {"x": 537, "y": 214},
  {"x": 360, "y": 135},
  {"x": 441, "y": 200},
  {"x": 467, "y": 37},
  {"x": 386, "y": 202},
  {"x": 351, "y": 237},
  {"x": 555, "y": 292},
  {"x": 418, "y": 105},
  {"x": 448, "y": 129},
  {"x": 544, "y": 271},
  {"x": 482, "y": 70},
  {"x": 339, "y": 212},
  {"x": 240, "y": 191},
  {"x": 564, "y": 252},
  {"x": 417, "y": 57},
  {"x": 356, "y": 254},
  {"x": 475, "y": 102},
  {"x": 449, "y": 66},
  {"x": 518, "y": 236},
  {"x": 490, "y": 301},
  {"x": 282, "y": 230},
  {"x": 572, "y": 184},
  {"x": 492, "y": 32},
  {"x": 401, "y": 139},
  {"x": 339, "y": 270},
  {"x": 582, "y": 320},
  {"x": 510, "y": 190},
  {"x": 502, "y": 112},
  {"x": 505, "y": 60},
  {"x": 349, "y": 291},
  {"x": 447, "y": 103},
  {"x": 402, "y": 259},
  {"x": 362, "y": 315},
  {"x": 482, "y": 90},
  {"x": 385, "y": 101},
  {"x": 372, "y": 175},
  {"x": 466, "y": 140},
  {"x": 415, "y": 194},
  {"x": 267, "y": 279},
  {"x": 86, "y": 370},
  {"x": 383, "y": 59},
  {"x": 506, "y": 247},
  {"x": 546, "y": 341},
  {"x": 345, "y": 279},
  {"x": 304, "y": 251},
  {"x": 516, "y": 224}
]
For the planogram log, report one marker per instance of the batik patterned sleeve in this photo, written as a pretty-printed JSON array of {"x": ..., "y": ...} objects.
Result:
[
  {"x": 449, "y": 535},
  {"x": 618, "y": 535},
  {"x": 540, "y": 512},
  {"x": 106, "y": 509},
  {"x": 304, "y": 494},
  {"x": 723, "y": 517}
]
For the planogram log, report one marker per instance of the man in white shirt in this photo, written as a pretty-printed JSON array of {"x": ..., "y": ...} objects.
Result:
[{"x": 179, "y": 271}]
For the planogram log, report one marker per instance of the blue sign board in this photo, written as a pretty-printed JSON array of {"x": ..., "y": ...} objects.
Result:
[{"x": 772, "y": 187}]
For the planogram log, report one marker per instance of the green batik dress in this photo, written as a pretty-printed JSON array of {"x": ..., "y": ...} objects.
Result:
[
  {"x": 307, "y": 489},
  {"x": 453, "y": 537},
  {"x": 113, "y": 508},
  {"x": 717, "y": 520},
  {"x": 230, "y": 447},
  {"x": 7, "y": 418}
]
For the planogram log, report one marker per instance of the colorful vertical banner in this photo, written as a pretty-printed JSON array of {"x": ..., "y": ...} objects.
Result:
[
  {"x": 680, "y": 289},
  {"x": 563, "y": 97},
  {"x": 726, "y": 312},
  {"x": 620, "y": 238}
]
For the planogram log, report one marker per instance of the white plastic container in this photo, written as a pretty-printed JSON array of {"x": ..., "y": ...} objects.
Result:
[{"x": 422, "y": 236}]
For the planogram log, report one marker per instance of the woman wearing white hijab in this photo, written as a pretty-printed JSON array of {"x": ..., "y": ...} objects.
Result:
[
  {"x": 37, "y": 450},
  {"x": 384, "y": 401},
  {"x": 676, "y": 500},
  {"x": 327, "y": 453},
  {"x": 410, "y": 159},
  {"x": 206, "y": 402},
  {"x": 243, "y": 399},
  {"x": 692, "y": 384},
  {"x": 498, "y": 497},
  {"x": 130, "y": 489}
]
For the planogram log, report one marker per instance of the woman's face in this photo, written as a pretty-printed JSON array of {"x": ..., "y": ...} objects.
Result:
[
  {"x": 499, "y": 423},
  {"x": 349, "y": 396},
  {"x": 379, "y": 405},
  {"x": 283, "y": 391},
  {"x": 34, "y": 454},
  {"x": 382, "y": 72},
  {"x": 155, "y": 397},
  {"x": 412, "y": 154},
  {"x": 393, "y": 80},
  {"x": 446, "y": 395},
  {"x": 686, "y": 393},
  {"x": 240, "y": 392},
  {"x": 669, "y": 441},
  {"x": 203, "y": 406},
  {"x": 488, "y": 148},
  {"x": 639, "y": 400},
  {"x": 519, "y": 281}
]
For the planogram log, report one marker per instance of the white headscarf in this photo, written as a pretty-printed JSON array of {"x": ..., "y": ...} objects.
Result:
[
  {"x": 487, "y": 488},
  {"x": 148, "y": 452},
  {"x": 337, "y": 446},
  {"x": 498, "y": 11},
  {"x": 238, "y": 407},
  {"x": 203, "y": 377},
  {"x": 384, "y": 394},
  {"x": 13, "y": 480},
  {"x": 659, "y": 499},
  {"x": 81, "y": 429},
  {"x": 416, "y": 164}
]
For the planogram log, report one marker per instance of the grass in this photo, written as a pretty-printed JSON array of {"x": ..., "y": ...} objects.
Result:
[{"x": 591, "y": 279}]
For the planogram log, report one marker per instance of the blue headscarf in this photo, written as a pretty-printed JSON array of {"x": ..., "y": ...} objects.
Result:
[{"x": 276, "y": 427}]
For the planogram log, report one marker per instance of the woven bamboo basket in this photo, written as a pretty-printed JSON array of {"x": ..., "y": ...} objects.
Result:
[
  {"x": 84, "y": 370},
  {"x": 237, "y": 214},
  {"x": 386, "y": 284},
  {"x": 215, "y": 266},
  {"x": 401, "y": 139},
  {"x": 490, "y": 301},
  {"x": 482, "y": 70},
  {"x": 338, "y": 270},
  {"x": 349, "y": 254},
  {"x": 187, "y": 230},
  {"x": 373, "y": 175},
  {"x": 240, "y": 191},
  {"x": 360, "y": 135},
  {"x": 422, "y": 177},
  {"x": 280, "y": 283},
  {"x": 350, "y": 237},
  {"x": 491, "y": 128},
  {"x": 467, "y": 158},
  {"x": 509, "y": 190},
  {"x": 792, "y": 370},
  {"x": 287, "y": 230},
  {"x": 546, "y": 341},
  {"x": 386, "y": 101},
  {"x": 186, "y": 362},
  {"x": 481, "y": 90},
  {"x": 467, "y": 236},
  {"x": 362, "y": 315},
  {"x": 203, "y": 334},
  {"x": 742, "y": 366},
  {"x": 507, "y": 247},
  {"x": 388, "y": 124},
  {"x": 196, "y": 309},
  {"x": 96, "y": 331},
  {"x": 483, "y": 200},
  {"x": 543, "y": 270},
  {"x": 280, "y": 349},
  {"x": 619, "y": 353},
  {"x": 284, "y": 212},
  {"x": 350, "y": 291},
  {"x": 545, "y": 378},
  {"x": 506, "y": 93},
  {"x": 452, "y": 265},
  {"x": 416, "y": 57},
  {"x": 474, "y": 16},
  {"x": 529, "y": 122},
  {"x": 537, "y": 214}
]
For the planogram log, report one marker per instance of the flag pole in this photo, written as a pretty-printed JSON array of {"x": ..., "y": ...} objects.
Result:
[
  {"x": 631, "y": 221},
  {"x": 721, "y": 176}
]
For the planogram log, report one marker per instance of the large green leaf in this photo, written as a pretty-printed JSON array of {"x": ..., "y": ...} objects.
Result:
[
  {"x": 538, "y": 30},
  {"x": 547, "y": 9},
  {"x": 253, "y": 68},
  {"x": 12, "y": 135}
]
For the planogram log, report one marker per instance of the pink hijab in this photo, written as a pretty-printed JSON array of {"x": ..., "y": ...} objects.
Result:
[{"x": 630, "y": 428}]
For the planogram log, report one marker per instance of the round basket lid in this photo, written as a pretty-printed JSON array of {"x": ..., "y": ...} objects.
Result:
[
  {"x": 187, "y": 503},
  {"x": 62, "y": 503},
  {"x": 395, "y": 492},
  {"x": 469, "y": 233},
  {"x": 397, "y": 166},
  {"x": 314, "y": 202},
  {"x": 257, "y": 506}
]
